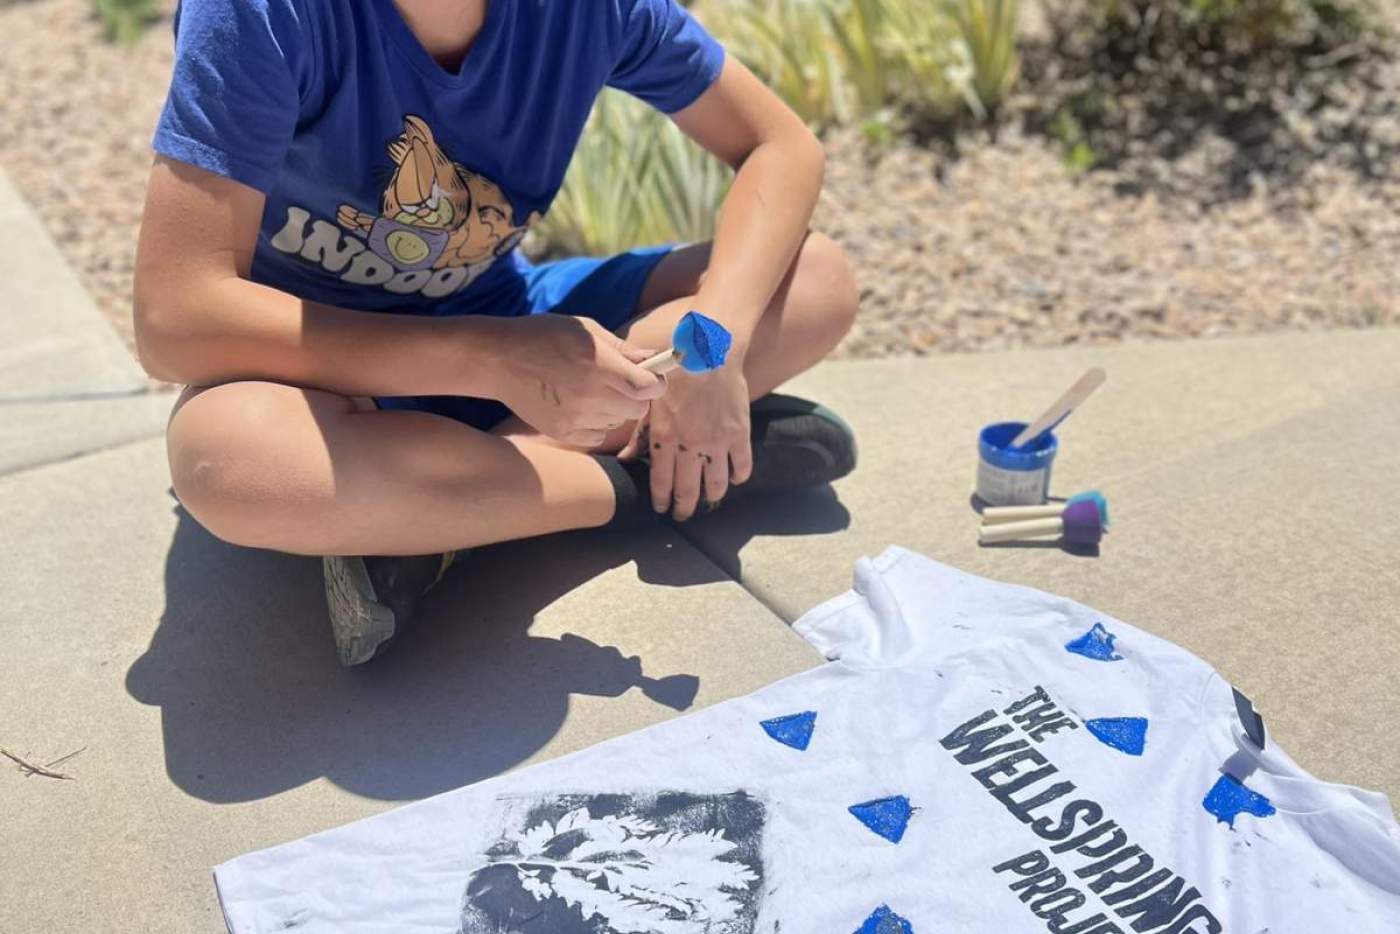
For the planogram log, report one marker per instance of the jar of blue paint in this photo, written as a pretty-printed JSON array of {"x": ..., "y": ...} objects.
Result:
[{"x": 1008, "y": 476}]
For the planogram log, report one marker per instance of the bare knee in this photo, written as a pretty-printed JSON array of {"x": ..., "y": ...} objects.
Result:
[
  {"x": 238, "y": 465},
  {"x": 824, "y": 289}
]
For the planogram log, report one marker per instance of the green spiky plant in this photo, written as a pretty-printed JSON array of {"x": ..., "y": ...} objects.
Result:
[
  {"x": 923, "y": 48},
  {"x": 682, "y": 187},
  {"x": 788, "y": 44},
  {"x": 635, "y": 179},
  {"x": 988, "y": 32},
  {"x": 843, "y": 61},
  {"x": 124, "y": 21},
  {"x": 859, "y": 29}
]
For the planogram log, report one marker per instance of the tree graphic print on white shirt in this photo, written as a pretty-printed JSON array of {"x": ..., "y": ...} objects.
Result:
[{"x": 614, "y": 864}]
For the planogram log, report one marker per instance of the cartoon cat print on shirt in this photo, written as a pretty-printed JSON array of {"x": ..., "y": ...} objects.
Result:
[
  {"x": 439, "y": 224},
  {"x": 442, "y": 213}
]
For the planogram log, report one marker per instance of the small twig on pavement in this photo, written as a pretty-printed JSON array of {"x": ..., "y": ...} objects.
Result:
[
  {"x": 62, "y": 759},
  {"x": 29, "y": 768}
]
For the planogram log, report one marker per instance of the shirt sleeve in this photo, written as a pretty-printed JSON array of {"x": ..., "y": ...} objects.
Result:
[
  {"x": 666, "y": 57},
  {"x": 234, "y": 95}
]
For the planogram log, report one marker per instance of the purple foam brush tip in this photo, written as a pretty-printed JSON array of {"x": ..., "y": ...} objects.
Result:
[
  {"x": 1099, "y": 500},
  {"x": 703, "y": 343},
  {"x": 1083, "y": 524}
]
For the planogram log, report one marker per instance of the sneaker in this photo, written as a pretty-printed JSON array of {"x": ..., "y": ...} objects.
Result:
[
  {"x": 796, "y": 444},
  {"x": 372, "y": 599}
]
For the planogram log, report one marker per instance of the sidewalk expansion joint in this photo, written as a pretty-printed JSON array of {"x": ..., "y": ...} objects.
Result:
[
  {"x": 8, "y": 472},
  {"x": 90, "y": 395},
  {"x": 763, "y": 598}
]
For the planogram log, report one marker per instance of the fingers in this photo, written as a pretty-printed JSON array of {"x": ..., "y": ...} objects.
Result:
[
  {"x": 663, "y": 468},
  {"x": 716, "y": 477},
  {"x": 630, "y": 379},
  {"x": 686, "y": 494},
  {"x": 634, "y": 353},
  {"x": 741, "y": 461},
  {"x": 633, "y": 448}
]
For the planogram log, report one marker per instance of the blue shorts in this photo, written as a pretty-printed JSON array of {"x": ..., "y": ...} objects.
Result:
[{"x": 607, "y": 290}]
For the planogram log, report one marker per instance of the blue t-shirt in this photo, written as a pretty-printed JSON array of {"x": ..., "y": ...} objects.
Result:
[{"x": 392, "y": 183}]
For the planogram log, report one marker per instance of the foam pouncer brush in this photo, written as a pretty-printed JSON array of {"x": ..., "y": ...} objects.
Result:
[
  {"x": 700, "y": 344},
  {"x": 996, "y": 515},
  {"x": 1080, "y": 523}
]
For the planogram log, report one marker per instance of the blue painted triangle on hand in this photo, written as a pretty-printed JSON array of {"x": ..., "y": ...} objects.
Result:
[
  {"x": 794, "y": 730},
  {"x": 887, "y": 817},
  {"x": 1126, "y": 734},
  {"x": 884, "y": 921}
]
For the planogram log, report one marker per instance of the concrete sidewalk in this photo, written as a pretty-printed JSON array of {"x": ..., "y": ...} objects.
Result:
[
  {"x": 201, "y": 681},
  {"x": 67, "y": 385},
  {"x": 1249, "y": 481},
  {"x": 199, "y": 678},
  {"x": 1252, "y": 486}
]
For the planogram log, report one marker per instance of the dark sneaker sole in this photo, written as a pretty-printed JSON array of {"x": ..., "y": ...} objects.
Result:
[
  {"x": 797, "y": 444},
  {"x": 360, "y": 623}
]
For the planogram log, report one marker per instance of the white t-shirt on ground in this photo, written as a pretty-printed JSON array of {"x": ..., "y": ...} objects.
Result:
[{"x": 977, "y": 757}]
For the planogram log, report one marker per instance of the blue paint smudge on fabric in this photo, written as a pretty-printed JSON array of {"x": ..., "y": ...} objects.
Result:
[
  {"x": 887, "y": 817},
  {"x": 1126, "y": 734},
  {"x": 1097, "y": 644},
  {"x": 1229, "y": 798},
  {"x": 703, "y": 342},
  {"x": 885, "y": 921},
  {"x": 794, "y": 730}
]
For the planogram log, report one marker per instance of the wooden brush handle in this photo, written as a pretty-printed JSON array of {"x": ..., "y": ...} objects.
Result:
[
  {"x": 995, "y": 515},
  {"x": 1064, "y": 405},
  {"x": 662, "y": 363},
  {"x": 1013, "y": 531}
]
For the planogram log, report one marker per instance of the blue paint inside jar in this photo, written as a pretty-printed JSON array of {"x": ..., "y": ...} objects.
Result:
[
  {"x": 995, "y": 444},
  {"x": 1014, "y": 476}
]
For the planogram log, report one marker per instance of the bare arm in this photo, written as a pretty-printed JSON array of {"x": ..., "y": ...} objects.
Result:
[
  {"x": 200, "y": 320},
  {"x": 765, "y": 215}
]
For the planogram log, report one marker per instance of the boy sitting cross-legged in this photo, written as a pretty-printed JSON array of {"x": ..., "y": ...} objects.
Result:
[{"x": 328, "y": 261}]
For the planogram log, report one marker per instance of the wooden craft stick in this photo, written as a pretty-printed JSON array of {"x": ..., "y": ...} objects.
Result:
[
  {"x": 662, "y": 363},
  {"x": 1064, "y": 405},
  {"x": 995, "y": 515},
  {"x": 1013, "y": 531}
]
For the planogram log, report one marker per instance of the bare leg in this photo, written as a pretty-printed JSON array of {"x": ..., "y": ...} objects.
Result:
[{"x": 311, "y": 472}]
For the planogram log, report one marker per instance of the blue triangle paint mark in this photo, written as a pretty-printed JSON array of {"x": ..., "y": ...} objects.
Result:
[
  {"x": 1126, "y": 734},
  {"x": 1097, "y": 644},
  {"x": 885, "y": 816},
  {"x": 794, "y": 730},
  {"x": 1229, "y": 798},
  {"x": 884, "y": 921}
]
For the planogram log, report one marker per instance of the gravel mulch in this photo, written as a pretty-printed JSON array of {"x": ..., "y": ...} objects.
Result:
[
  {"x": 1279, "y": 210},
  {"x": 78, "y": 114}
]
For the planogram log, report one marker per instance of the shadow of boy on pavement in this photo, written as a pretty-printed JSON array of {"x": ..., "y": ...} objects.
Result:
[{"x": 254, "y": 703}]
